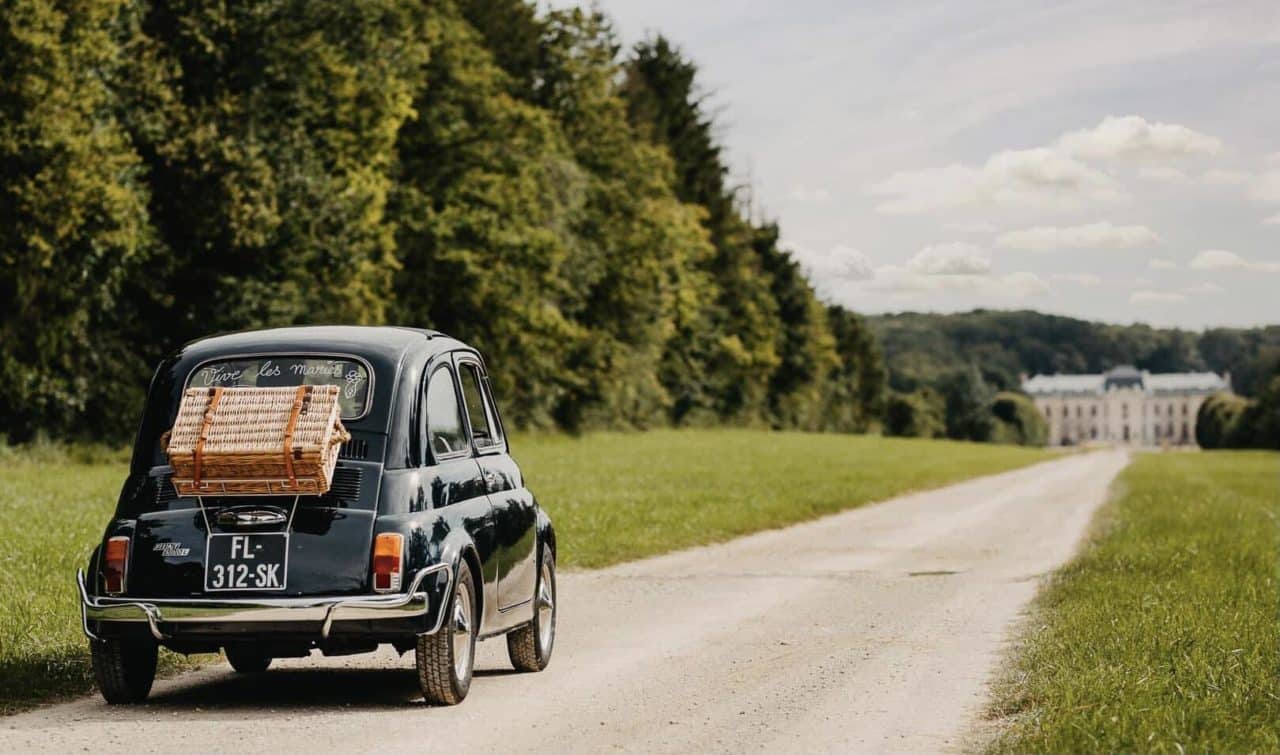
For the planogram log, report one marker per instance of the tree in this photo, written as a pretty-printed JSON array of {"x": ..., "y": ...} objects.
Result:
[
  {"x": 968, "y": 400},
  {"x": 1017, "y": 420},
  {"x": 269, "y": 131},
  {"x": 1218, "y": 420},
  {"x": 487, "y": 196},
  {"x": 73, "y": 223},
  {"x": 921, "y": 414}
]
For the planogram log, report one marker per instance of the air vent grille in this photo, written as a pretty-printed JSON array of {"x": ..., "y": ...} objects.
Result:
[
  {"x": 354, "y": 449},
  {"x": 346, "y": 483},
  {"x": 165, "y": 494}
]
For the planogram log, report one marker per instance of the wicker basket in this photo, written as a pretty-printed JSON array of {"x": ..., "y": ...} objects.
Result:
[{"x": 256, "y": 441}]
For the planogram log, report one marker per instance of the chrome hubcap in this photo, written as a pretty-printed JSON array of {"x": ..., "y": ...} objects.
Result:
[
  {"x": 546, "y": 609},
  {"x": 462, "y": 633}
]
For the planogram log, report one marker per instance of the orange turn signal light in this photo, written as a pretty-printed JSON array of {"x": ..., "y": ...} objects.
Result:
[
  {"x": 115, "y": 564},
  {"x": 388, "y": 562}
]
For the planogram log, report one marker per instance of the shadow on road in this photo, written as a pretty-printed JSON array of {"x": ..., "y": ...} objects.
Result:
[{"x": 295, "y": 688}]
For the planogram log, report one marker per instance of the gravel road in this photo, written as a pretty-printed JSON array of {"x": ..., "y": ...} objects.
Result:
[{"x": 872, "y": 630}]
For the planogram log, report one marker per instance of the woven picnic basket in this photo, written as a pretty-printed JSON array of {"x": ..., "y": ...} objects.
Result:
[{"x": 256, "y": 441}]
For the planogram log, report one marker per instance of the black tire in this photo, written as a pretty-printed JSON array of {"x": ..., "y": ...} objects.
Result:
[
  {"x": 124, "y": 669},
  {"x": 446, "y": 659},
  {"x": 246, "y": 659},
  {"x": 529, "y": 646}
]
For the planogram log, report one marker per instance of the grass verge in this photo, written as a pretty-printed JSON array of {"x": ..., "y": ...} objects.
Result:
[
  {"x": 1164, "y": 634},
  {"x": 614, "y": 497}
]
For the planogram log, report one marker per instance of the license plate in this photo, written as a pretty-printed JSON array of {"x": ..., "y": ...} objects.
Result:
[{"x": 246, "y": 562}]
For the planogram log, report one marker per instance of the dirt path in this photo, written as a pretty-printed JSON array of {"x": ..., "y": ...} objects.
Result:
[{"x": 871, "y": 630}]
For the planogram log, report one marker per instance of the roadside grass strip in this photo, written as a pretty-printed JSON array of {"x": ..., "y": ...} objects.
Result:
[
  {"x": 613, "y": 497},
  {"x": 622, "y": 496},
  {"x": 1164, "y": 634}
]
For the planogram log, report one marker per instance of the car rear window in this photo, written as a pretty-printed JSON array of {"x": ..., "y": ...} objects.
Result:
[{"x": 348, "y": 373}]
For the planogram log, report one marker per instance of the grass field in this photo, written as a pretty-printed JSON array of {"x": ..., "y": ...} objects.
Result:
[
  {"x": 613, "y": 496},
  {"x": 1164, "y": 634}
]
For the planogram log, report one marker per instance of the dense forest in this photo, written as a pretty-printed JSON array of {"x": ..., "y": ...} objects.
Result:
[
  {"x": 504, "y": 173},
  {"x": 921, "y": 349}
]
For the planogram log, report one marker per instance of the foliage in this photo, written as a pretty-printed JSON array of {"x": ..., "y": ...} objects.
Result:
[
  {"x": 919, "y": 414},
  {"x": 1228, "y": 421},
  {"x": 1218, "y": 421},
  {"x": 967, "y": 399},
  {"x": 1162, "y": 635},
  {"x": 1018, "y": 421},
  {"x": 74, "y": 225},
  {"x": 920, "y": 348},
  {"x": 486, "y": 167}
]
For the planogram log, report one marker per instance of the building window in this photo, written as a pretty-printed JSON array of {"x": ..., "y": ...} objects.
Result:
[
  {"x": 1124, "y": 412},
  {"x": 1079, "y": 411},
  {"x": 1064, "y": 410},
  {"x": 1093, "y": 433},
  {"x": 1093, "y": 411},
  {"x": 1184, "y": 410},
  {"x": 1126, "y": 433}
]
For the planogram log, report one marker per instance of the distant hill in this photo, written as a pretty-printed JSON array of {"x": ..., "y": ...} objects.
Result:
[{"x": 921, "y": 348}]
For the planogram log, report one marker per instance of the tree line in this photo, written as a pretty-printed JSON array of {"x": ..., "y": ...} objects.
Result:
[
  {"x": 506, "y": 174},
  {"x": 922, "y": 349}
]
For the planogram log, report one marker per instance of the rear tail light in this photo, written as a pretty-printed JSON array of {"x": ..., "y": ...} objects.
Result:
[
  {"x": 388, "y": 562},
  {"x": 115, "y": 564}
]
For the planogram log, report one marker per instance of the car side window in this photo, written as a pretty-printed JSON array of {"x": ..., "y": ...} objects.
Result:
[
  {"x": 445, "y": 432},
  {"x": 473, "y": 395}
]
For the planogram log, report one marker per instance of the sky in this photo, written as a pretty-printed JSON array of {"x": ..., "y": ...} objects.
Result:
[{"x": 1115, "y": 161}]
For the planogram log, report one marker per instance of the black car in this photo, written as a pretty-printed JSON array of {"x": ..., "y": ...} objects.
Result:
[{"x": 428, "y": 538}]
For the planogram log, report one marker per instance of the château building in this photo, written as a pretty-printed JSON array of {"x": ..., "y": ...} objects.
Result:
[{"x": 1124, "y": 405}]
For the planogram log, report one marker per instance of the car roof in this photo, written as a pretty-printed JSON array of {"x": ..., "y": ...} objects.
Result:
[{"x": 380, "y": 343}]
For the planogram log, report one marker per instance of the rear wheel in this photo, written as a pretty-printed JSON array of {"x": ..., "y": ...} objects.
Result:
[
  {"x": 124, "y": 669},
  {"x": 529, "y": 646},
  {"x": 247, "y": 659},
  {"x": 446, "y": 659}
]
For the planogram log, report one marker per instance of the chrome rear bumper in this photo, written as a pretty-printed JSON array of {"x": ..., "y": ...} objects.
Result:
[{"x": 407, "y": 605}]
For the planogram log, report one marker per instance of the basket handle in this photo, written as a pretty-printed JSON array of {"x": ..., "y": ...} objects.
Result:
[
  {"x": 204, "y": 433},
  {"x": 303, "y": 390},
  {"x": 340, "y": 434}
]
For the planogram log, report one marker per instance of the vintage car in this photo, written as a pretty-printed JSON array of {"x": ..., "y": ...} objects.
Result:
[{"x": 427, "y": 539}]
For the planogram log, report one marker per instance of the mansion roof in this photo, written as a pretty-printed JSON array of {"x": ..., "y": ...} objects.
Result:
[{"x": 1126, "y": 377}]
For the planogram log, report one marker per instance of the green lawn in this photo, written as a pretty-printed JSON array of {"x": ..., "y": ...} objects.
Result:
[
  {"x": 1164, "y": 634},
  {"x": 614, "y": 496}
]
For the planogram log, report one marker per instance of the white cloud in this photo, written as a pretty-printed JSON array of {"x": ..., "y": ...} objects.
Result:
[
  {"x": 1266, "y": 187},
  {"x": 1093, "y": 235},
  {"x": 1221, "y": 259},
  {"x": 839, "y": 263},
  {"x": 1015, "y": 178},
  {"x": 1161, "y": 173},
  {"x": 902, "y": 281},
  {"x": 1023, "y": 285},
  {"x": 1134, "y": 136},
  {"x": 957, "y": 258},
  {"x": 1155, "y": 297},
  {"x": 1157, "y": 263},
  {"x": 1088, "y": 280},
  {"x": 1219, "y": 177},
  {"x": 979, "y": 226},
  {"x": 801, "y": 193},
  {"x": 1203, "y": 289}
]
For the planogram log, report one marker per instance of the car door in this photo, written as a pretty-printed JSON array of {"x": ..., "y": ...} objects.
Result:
[
  {"x": 514, "y": 511},
  {"x": 453, "y": 476}
]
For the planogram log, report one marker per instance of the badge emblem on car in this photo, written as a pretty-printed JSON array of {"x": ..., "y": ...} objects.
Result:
[{"x": 171, "y": 550}]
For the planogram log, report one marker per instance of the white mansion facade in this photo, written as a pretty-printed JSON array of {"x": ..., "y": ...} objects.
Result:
[{"x": 1123, "y": 406}]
